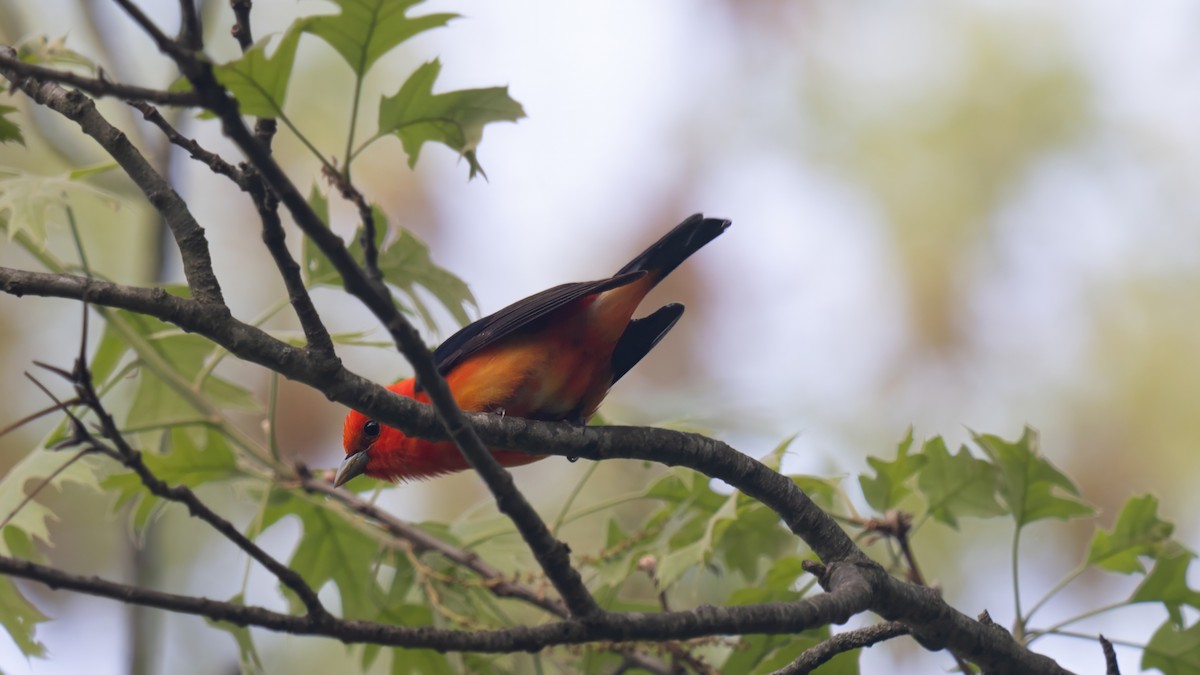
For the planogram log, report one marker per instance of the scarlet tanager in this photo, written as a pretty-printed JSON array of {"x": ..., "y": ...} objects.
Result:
[{"x": 552, "y": 356}]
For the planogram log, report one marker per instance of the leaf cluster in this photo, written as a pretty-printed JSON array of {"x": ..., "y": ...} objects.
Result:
[{"x": 1012, "y": 479}]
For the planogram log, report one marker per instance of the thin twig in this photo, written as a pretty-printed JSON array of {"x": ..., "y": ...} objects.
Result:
[
  {"x": 773, "y": 618},
  {"x": 241, "y": 23},
  {"x": 190, "y": 33},
  {"x": 80, "y": 377},
  {"x": 422, "y": 541},
  {"x": 818, "y": 654},
  {"x": 273, "y": 235},
  {"x": 36, "y": 415},
  {"x": 164, "y": 43},
  {"x": 365, "y": 214},
  {"x": 1110, "y": 657},
  {"x": 197, "y": 152},
  {"x": 94, "y": 85}
]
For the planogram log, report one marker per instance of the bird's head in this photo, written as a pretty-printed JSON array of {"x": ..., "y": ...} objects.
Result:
[{"x": 360, "y": 434}]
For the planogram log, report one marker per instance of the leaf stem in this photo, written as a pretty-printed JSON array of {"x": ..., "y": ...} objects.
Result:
[
  {"x": 272, "y": 401},
  {"x": 307, "y": 143},
  {"x": 1054, "y": 630},
  {"x": 1063, "y": 583},
  {"x": 219, "y": 353},
  {"x": 562, "y": 513},
  {"x": 1085, "y": 636},
  {"x": 83, "y": 261},
  {"x": 1019, "y": 622},
  {"x": 358, "y": 82}
]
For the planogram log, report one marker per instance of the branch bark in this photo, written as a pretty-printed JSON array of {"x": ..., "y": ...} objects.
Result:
[
  {"x": 776, "y": 618},
  {"x": 9, "y": 63},
  {"x": 189, "y": 236},
  {"x": 815, "y": 656}
]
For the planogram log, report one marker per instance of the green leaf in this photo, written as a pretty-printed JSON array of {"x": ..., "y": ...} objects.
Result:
[
  {"x": 776, "y": 586},
  {"x": 1167, "y": 583},
  {"x": 9, "y": 131},
  {"x": 107, "y": 355},
  {"x": 673, "y": 565},
  {"x": 1030, "y": 486},
  {"x": 20, "y": 618},
  {"x": 885, "y": 490},
  {"x": 41, "y": 50},
  {"x": 404, "y": 262},
  {"x": 823, "y": 491},
  {"x": 691, "y": 502},
  {"x": 258, "y": 82},
  {"x": 680, "y": 486},
  {"x": 1173, "y": 650},
  {"x": 767, "y": 653},
  {"x": 31, "y": 201},
  {"x": 93, "y": 170},
  {"x": 774, "y": 459},
  {"x": 27, "y": 520},
  {"x": 365, "y": 30},
  {"x": 456, "y": 119},
  {"x": 751, "y": 532},
  {"x": 330, "y": 549},
  {"x": 957, "y": 486},
  {"x": 614, "y": 570},
  {"x": 158, "y": 399},
  {"x": 185, "y": 463},
  {"x": 247, "y": 654},
  {"x": 1137, "y": 532}
]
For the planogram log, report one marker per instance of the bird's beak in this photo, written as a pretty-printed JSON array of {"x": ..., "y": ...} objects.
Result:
[{"x": 353, "y": 465}]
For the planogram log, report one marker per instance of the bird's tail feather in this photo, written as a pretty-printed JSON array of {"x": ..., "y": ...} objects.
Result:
[{"x": 674, "y": 247}]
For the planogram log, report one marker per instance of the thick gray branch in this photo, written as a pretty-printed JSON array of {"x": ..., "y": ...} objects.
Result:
[{"x": 791, "y": 617}]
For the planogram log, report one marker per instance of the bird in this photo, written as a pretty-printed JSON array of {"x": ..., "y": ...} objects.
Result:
[{"x": 552, "y": 356}]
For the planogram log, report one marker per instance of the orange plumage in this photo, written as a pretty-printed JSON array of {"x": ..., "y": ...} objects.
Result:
[{"x": 551, "y": 356}]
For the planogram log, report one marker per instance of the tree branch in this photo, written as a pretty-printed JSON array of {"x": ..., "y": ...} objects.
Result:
[
  {"x": 81, "y": 378},
  {"x": 267, "y": 204},
  {"x": 197, "y": 152},
  {"x": 189, "y": 236},
  {"x": 9, "y": 63},
  {"x": 241, "y": 23},
  {"x": 190, "y": 33},
  {"x": 423, "y": 541},
  {"x": 817, "y": 655},
  {"x": 177, "y": 51},
  {"x": 772, "y": 618}
]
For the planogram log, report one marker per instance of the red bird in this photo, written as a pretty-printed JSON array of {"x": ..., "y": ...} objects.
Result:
[{"x": 552, "y": 356}]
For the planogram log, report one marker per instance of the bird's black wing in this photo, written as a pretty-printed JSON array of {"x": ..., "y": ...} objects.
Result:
[{"x": 518, "y": 315}]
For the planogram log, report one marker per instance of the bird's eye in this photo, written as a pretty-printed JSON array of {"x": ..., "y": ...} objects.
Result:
[{"x": 371, "y": 428}]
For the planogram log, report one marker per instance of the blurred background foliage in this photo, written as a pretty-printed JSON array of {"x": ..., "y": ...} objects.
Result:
[{"x": 945, "y": 214}]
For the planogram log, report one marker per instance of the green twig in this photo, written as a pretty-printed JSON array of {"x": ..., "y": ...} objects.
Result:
[
  {"x": 1063, "y": 583},
  {"x": 562, "y": 513},
  {"x": 1019, "y": 623}
]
